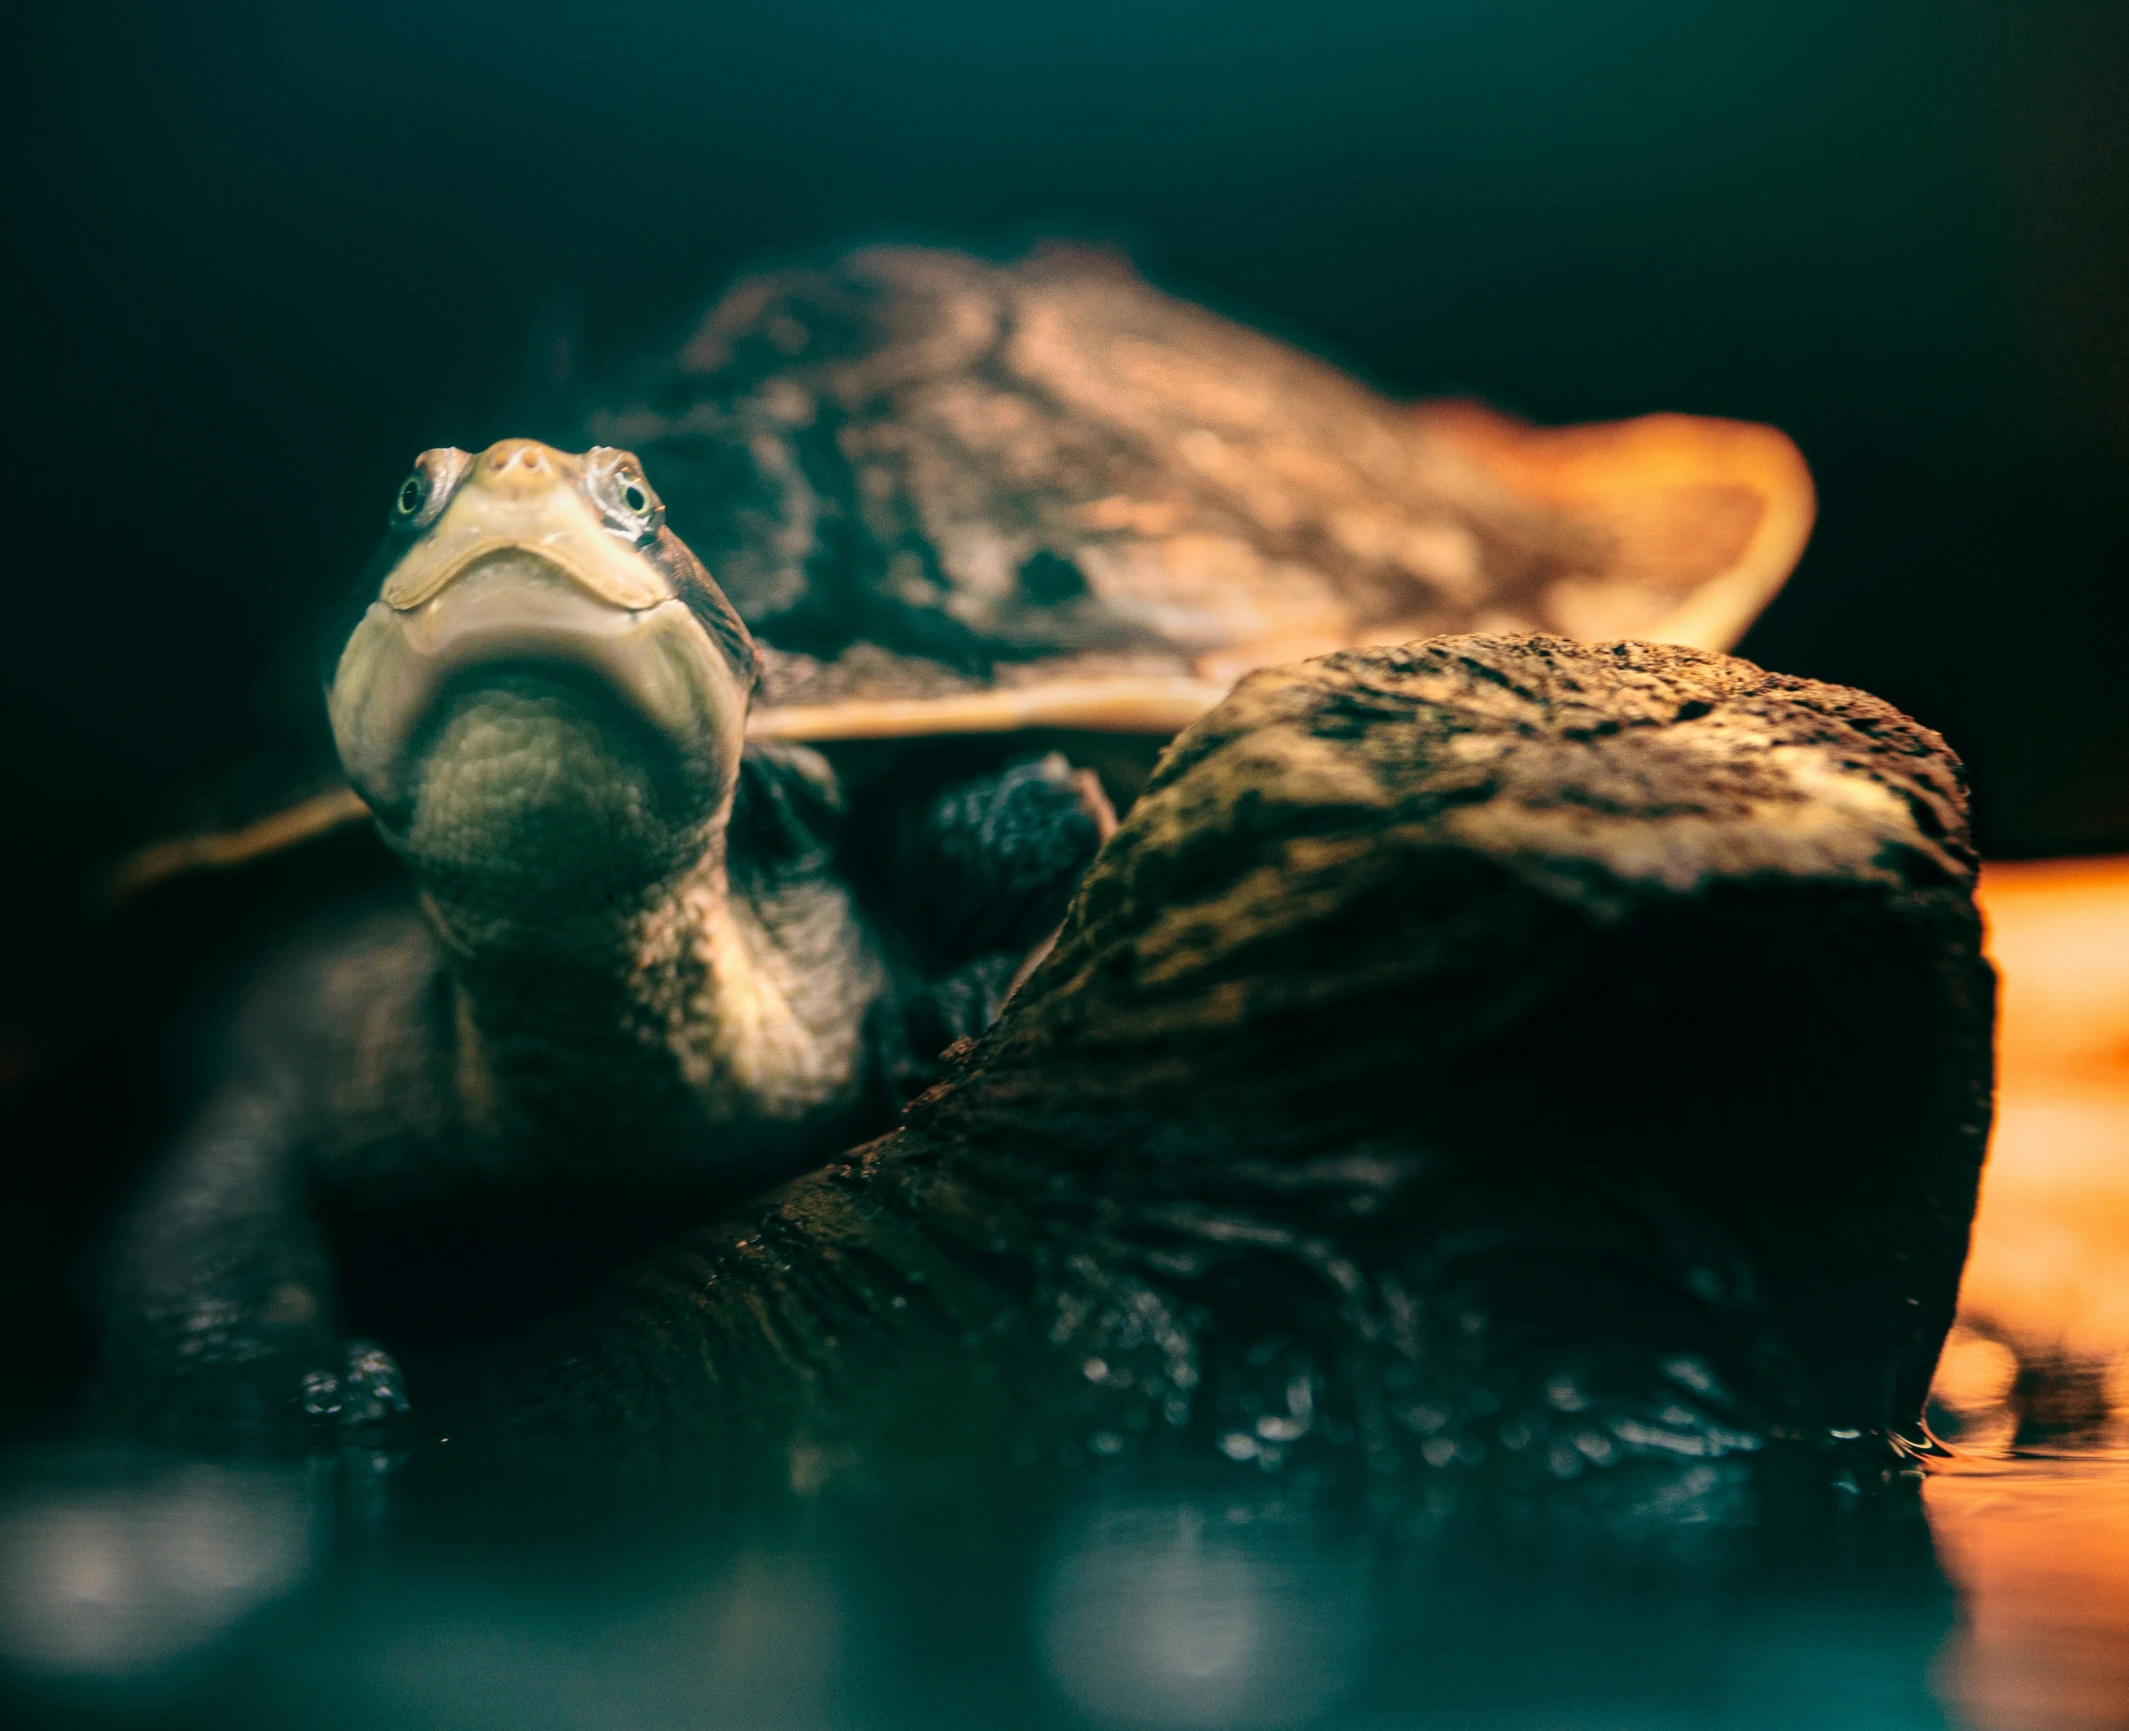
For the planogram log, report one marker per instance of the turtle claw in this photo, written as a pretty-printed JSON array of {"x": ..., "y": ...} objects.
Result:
[{"x": 368, "y": 1389}]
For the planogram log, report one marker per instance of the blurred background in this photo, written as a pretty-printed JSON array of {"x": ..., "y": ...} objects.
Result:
[{"x": 259, "y": 254}]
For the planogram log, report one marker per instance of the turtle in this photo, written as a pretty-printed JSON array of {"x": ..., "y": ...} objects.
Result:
[
  {"x": 1581, "y": 1071},
  {"x": 746, "y": 757}
]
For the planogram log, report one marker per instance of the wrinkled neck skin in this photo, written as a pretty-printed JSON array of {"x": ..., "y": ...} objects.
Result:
[{"x": 627, "y": 999}]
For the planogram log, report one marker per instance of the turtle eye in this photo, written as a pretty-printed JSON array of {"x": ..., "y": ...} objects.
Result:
[
  {"x": 428, "y": 488},
  {"x": 633, "y": 493},
  {"x": 614, "y": 483},
  {"x": 630, "y": 503}
]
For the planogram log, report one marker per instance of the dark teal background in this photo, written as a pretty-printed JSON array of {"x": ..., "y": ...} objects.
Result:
[{"x": 259, "y": 254}]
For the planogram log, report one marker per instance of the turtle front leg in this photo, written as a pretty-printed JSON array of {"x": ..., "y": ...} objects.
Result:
[
  {"x": 986, "y": 871},
  {"x": 219, "y": 1302}
]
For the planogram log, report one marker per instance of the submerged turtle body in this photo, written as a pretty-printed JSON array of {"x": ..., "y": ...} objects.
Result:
[{"x": 711, "y": 862}]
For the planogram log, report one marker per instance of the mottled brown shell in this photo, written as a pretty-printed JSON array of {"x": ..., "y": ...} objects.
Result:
[
  {"x": 952, "y": 496},
  {"x": 949, "y": 495}
]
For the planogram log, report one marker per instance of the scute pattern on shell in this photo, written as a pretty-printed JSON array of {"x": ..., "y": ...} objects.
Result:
[{"x": 917, "y": 472}]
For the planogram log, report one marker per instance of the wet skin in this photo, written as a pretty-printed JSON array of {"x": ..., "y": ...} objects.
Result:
[
  {"x": 1497, "y": 1051},
  {"x": 646, "y": 966}
]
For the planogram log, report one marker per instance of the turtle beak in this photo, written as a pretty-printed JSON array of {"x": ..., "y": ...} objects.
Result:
[
  {"x": 520, "y": 573},
  {"x": 521, "y": 496}
]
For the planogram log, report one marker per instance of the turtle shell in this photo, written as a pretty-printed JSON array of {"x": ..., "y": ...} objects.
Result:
[{"x": 950, "y": 495}]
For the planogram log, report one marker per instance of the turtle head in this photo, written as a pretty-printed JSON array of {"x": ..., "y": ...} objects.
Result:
[{"x": 545, "y": 699}]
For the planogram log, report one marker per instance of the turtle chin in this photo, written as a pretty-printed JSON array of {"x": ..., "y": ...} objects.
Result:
[
  {"x": 539, "y": 811},
  {"x": 545, "y": 761}
]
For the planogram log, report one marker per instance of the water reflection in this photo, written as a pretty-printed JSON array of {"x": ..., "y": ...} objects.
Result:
[
  {"x": 356, "y": 1591},
  {"x": 114, "y": 1578},
  {"x": 761, "y": 1639},
  {"x": 230, "y": 1595},
  {"x": 1206, "y": 1611},
  {"x": 2030, "y": 1512},
  {"x": 2031, "y": 1509},
  {"x": 2040, "y": 1549}
]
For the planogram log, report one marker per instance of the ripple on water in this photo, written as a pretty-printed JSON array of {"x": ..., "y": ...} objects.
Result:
[{"x": 2030, "y": 1513}]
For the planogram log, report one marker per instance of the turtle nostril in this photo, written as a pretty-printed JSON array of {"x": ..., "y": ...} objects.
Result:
[{"x": 519, "y": 468}]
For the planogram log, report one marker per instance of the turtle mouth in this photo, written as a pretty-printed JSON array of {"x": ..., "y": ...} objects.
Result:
[{"x": 510, "y": 612}]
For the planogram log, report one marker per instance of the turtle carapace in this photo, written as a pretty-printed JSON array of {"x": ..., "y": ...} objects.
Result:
[{"x": 705, "y": 872}]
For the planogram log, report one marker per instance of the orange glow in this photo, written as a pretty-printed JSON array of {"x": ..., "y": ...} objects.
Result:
[
  {"x": 1713, "y": 514},
  {"x": 2049, "y": 1272},
  {"x": 2041, "y": 1553},
  {"x": 2039, "y": 1545}
]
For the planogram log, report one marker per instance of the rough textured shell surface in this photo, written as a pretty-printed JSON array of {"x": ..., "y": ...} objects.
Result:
[
  {"x": 955, "y": 496},
  {"x": 950, "y": 494}
]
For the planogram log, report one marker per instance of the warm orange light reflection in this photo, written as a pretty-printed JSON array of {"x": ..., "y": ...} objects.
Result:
[
  {"x": 2040, "y": 1550},
  {"x": 2040, "y": 1546}
]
